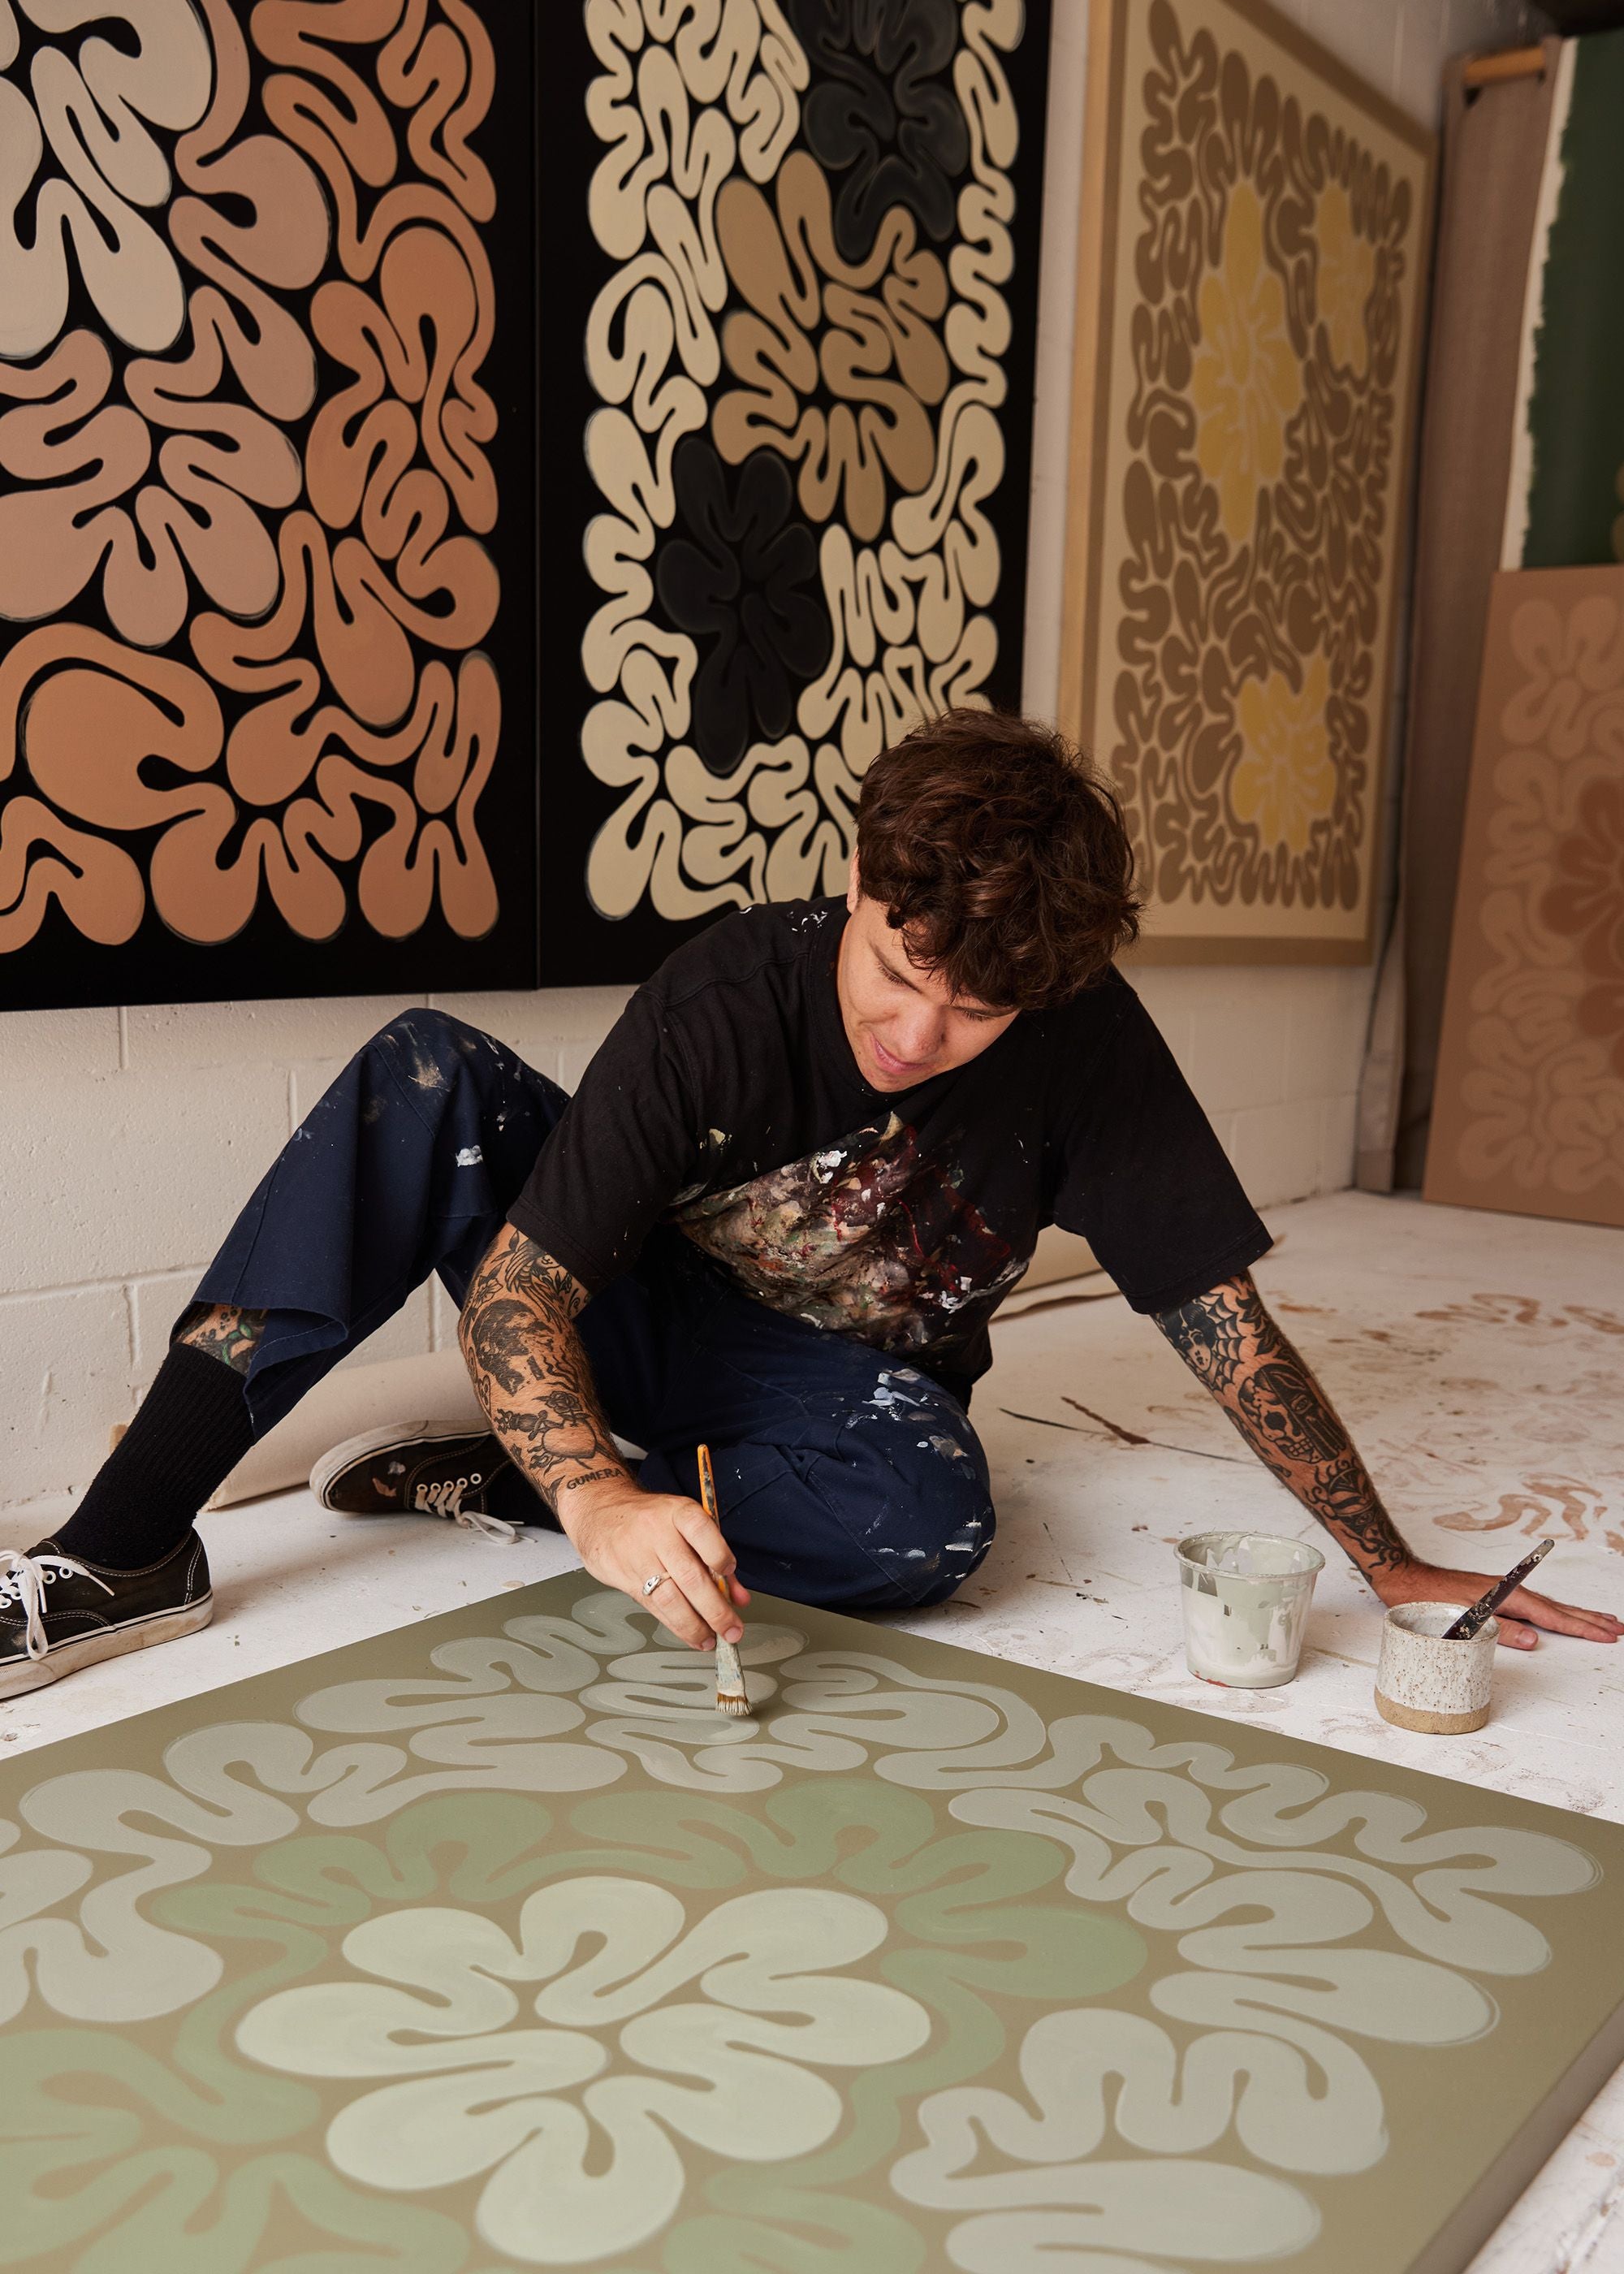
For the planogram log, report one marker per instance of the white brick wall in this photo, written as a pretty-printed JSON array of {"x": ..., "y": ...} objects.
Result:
[{"x": 128, "y": 1139}]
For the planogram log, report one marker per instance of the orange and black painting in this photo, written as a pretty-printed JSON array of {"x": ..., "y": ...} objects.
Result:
[{"x": 268, "y": 716}]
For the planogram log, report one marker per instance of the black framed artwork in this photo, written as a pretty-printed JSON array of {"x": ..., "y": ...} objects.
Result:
[
  {"x": 789, "y": 269},
  {"x": 480, "y": 484},
  {"x": 267, "y": 500}
]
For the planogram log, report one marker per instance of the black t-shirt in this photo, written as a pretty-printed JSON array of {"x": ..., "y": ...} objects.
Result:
[{"x": 726, "y": 1102}]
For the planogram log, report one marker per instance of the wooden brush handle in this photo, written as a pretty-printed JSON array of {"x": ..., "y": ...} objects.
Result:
[
  {"x": 729, "y": 1690},
  {"x": 707, "y": 1501}
]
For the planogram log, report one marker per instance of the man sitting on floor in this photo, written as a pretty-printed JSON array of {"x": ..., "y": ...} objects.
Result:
[{"x": 811, "y": 1159}]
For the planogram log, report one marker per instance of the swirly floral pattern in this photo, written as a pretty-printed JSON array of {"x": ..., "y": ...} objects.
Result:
[
  {"x": 248, "y": 597},
  {"x": 806, "y": 248},
  {"x": 501, "y": 1940},
  {"x": 1255, "y": 367},
  {"x": 725, "y": 2027},
  {"x": 738, "y": 573},
  {"x": 1528, "y": 1107},
  {"x": 881, "y": 118}
]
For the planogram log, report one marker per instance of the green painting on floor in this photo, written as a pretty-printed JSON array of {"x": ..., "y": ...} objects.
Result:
[{"x": 489, "y": 1945}]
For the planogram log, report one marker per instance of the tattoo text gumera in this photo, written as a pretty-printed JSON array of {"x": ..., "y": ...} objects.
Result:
[
  {"x": 529, "y": 1371},
  {"x": 1233, "y": 1347}
]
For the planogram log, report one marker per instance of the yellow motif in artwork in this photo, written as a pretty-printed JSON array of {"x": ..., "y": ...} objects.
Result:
[
  {"x": 1345, "y": 280},
  {"x": 1285, "y": 779},
  {"x": 1247, "y": 378}
]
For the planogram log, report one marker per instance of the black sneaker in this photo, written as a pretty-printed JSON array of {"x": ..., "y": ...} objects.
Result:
[
  {"x": 415, "y": 1469},
  {"x": 58, "y": 1613}
]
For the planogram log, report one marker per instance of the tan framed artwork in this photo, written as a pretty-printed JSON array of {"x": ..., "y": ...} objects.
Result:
[
  {"x": 1252, "y": 267},
  {"x": 1528, "y": 1111}
]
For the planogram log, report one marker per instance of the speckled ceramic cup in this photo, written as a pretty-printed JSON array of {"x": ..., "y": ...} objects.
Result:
[
  {"x": 1426, "y": 1683},
  {"x": 1245, "y": 1596}
]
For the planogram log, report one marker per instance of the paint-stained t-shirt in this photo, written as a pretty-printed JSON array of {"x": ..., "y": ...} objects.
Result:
[{"x": 726, "y": 1103}]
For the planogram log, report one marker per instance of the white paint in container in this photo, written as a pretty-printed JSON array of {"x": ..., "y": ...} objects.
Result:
[
  {"x": 1245, "y": 1597},
  {"x": 1443, "y": 1688}
]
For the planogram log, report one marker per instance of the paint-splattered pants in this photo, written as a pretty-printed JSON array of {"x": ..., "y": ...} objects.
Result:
[{"x": 846, "y": 1478}]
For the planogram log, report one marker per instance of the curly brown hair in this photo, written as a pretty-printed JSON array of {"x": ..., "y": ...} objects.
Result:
[{"x": 1001, "y": 855}]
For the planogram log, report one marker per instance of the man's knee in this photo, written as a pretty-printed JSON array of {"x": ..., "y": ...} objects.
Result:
[
  {"x": 929, "y": 1542},
  {"x": 920, "y": 1498},
  {"x": 429, "y": 1051}
]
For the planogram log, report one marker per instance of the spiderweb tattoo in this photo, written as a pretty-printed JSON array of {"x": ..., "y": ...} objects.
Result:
[{"x": 1233, "y": 1348}]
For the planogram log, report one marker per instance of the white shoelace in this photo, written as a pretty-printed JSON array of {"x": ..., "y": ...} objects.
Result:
[
  {"x": 24, "y": 1579},
  {"x": 445, "y": 1499}
]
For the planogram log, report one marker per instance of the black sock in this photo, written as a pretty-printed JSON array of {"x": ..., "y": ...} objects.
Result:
[{"x": 189, "y": 1433}]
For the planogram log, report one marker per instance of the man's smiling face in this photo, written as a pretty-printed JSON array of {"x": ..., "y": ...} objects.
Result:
[{"x": 903, "y": 1021}]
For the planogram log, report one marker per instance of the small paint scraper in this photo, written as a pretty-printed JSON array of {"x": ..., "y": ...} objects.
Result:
[
  {"x": 1474, "y": 1617},
  {"x": 730, "y": 1691}
]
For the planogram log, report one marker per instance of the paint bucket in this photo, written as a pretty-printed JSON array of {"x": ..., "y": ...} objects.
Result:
[
  {"x": 1426, "y": 1683},
  {"x": 1245, "y": 1596}
]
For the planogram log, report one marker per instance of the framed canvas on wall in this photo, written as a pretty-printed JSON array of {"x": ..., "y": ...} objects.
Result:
[
  {"x": 268, "y": 508},
  {"x": 789, "y": 272},
  {"x": 1255, "y": 240}
]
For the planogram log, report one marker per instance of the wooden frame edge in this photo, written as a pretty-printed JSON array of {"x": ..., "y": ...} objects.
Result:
[{"x": 1101, "y": 134}]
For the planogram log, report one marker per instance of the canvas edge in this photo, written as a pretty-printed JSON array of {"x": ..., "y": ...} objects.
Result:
[
  {"x": 1472, "y": 2222},
  {"x": 1307, "y": 51},
  {"x": 1095, "y": 268}
]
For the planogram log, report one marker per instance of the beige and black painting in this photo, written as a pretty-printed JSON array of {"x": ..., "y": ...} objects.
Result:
[
  {"x": 265, "y": 435},
  {"x": 1528, "y": 1112},
  {"x": 797, "y": 247},
  {"x": 490, "y": 1946},
  {"x": 1254, "y": 254}
]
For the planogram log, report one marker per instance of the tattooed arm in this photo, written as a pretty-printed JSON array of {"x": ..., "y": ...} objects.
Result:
[
  {"x": 1235, "y": 1349},
  {"x": 531, "y": 1371}
]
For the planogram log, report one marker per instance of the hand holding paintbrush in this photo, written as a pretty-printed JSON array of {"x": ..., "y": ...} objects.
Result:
[{"x": 730, "y": 1691}]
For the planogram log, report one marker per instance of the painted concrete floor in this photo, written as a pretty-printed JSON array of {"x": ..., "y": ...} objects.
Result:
[{"x": 1478, "y": 1361}]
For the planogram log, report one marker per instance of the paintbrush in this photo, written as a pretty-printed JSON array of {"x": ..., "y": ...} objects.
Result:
[
  {"x": 1474, "y": 1617},
  {"x": 730, "y": 1693}
]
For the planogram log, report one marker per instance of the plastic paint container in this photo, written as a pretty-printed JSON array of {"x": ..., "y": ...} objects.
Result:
[
  {"x": 1424, "y": 1683},
  {"x": 1245, "y": 1596}
]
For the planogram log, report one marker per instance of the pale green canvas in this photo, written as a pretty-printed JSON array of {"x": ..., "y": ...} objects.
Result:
[{"x": 489, "y": 1945}]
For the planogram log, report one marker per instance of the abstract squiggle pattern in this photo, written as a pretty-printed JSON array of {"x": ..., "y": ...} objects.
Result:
[
  {"x": 1268, "y": 258},
  {"x": 519, "y": 1926},
  {"x": 241, "y": 618},
  {"x": 722, "y": 2024},
  {"x": 809, "y": 210},
  {"x": 1529, "y": 1112}
]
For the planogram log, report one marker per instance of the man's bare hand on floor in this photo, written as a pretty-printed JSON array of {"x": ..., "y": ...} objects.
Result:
[{"x": 1519, "y": 1615}]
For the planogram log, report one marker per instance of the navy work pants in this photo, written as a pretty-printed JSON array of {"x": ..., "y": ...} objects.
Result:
[{"x": 845, "y": 1477}]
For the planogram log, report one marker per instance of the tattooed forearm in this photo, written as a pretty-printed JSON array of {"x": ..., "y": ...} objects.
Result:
[
  {"x": 525, "y": 1358},
  {"x": 1235, "y": 1349},
  {"x": 224, "y": 1332}
]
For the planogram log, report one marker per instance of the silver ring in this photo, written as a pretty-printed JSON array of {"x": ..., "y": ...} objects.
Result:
[{"x": 659, "y": 1580}]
